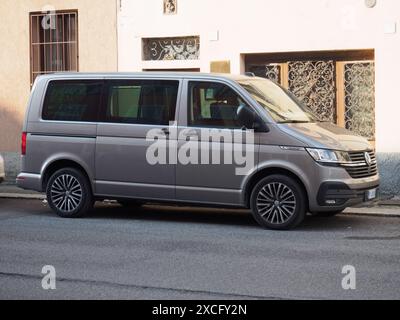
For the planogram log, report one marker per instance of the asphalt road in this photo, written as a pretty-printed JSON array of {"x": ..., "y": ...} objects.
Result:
[{"x": 190, "y": 253}]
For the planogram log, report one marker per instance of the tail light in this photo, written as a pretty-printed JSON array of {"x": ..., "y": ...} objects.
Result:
[{"x": 23, "y": 143}]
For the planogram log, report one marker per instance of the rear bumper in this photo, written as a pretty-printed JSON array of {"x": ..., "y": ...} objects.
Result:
[{"x": 29, "y": 181}]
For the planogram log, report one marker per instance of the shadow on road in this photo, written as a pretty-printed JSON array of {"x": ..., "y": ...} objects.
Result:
[
  {"x": 13, "y": 208},
  {"x": 171, "y": 213},
  {"x": 234, "y": 217}
]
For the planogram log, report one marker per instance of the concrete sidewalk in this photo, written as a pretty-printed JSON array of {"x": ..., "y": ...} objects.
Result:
[
  {"x": 383, "y": 207},
  {"x": 11, "y": 191}
]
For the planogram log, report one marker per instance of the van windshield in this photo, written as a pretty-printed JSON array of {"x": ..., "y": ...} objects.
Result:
[{"x": 282, "y": 105}]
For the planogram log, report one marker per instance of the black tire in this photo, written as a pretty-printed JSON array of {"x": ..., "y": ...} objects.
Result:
[
  {"x": 272, "y": 209},
  {"x": 128, "y": 203},
  {"x": 69, "y": 206},
  {"x": 328, "y": 214}
]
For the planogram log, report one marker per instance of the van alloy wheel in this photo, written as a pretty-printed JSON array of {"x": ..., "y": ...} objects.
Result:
[
  {"x": 276, "y": 203},
  {"x": 69, "y": 193},
  {"x": 66, "y": 193}
]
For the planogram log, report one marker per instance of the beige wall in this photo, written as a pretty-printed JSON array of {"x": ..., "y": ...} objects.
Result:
[{"x": 97, "y": 52}]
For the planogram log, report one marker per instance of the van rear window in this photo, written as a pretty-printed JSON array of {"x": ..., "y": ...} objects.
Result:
[{"x": 72, "y": 100}]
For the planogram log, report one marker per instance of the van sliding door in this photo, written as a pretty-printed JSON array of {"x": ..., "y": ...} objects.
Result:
[{"x": 133, "y": 139}]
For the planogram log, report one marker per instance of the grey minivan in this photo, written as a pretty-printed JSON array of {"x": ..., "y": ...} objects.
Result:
[{"x": 88, "y": 137}]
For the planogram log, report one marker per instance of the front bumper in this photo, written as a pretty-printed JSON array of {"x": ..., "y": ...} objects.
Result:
[
  {"x": 339, "y": 194},
  {"x": 334, "y": 182}
]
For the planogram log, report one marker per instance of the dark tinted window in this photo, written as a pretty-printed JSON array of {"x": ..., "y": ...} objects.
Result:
[
  {"x": 214, "y": 104},
  {"x": 141, "y": 101},
  {"x": 72, "y": 100}
]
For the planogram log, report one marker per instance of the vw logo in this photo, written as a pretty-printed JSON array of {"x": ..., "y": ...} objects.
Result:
[{"x": 368, "y": 159}]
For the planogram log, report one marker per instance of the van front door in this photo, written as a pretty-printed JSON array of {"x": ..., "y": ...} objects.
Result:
[
  {"x": 216, "y": 149},
  {"x": 134, "y": 113}
]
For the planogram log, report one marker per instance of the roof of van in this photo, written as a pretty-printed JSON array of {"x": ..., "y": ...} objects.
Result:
[{"x": 150, "y": 74}]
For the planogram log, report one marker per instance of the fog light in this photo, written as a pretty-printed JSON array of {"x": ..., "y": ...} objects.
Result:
[{"x": 330, "y": 202}]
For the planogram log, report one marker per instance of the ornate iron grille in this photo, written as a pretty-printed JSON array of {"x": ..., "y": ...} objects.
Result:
[
  {"x": 359, "y": 82},
  {"x": 269, "y": 71},
  {"x": 313, "y": 82},
  {"x": 178, "y": 48}
]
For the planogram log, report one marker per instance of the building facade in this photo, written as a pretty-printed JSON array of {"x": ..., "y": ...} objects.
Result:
[
  {"x": 340, "y": 57},
  {"x": 43, "y": 36}
]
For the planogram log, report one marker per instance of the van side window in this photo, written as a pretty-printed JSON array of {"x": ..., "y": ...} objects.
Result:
[
  {"x": 141, "y": 101},
  {"x": 213, "y": 104},
  {"x": 72, "y": 100}
]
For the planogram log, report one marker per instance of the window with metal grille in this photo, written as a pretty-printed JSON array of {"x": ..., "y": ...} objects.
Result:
[
  {"x": 176, "y": 48},
  {"x": 54, "y": 42}
]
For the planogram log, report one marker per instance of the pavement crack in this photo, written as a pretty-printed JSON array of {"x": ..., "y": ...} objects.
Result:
[
  {"x": 146, "y": 287},
  {"x": 373, "y": 238}
]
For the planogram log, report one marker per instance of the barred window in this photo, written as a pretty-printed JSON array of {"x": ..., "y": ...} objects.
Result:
[{"x": 54, "y": 42}]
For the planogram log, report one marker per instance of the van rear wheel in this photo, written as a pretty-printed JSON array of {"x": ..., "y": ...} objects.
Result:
[
  {"x": 278, "y": 202},
  {"x": 69, "y": 193}
]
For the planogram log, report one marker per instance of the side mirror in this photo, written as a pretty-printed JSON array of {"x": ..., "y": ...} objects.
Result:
[
  {"x": 259, "y": 125},
  {"x": 250, "y": 120}
]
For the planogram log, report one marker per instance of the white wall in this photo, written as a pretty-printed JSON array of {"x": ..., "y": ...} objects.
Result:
[{"x": 251, "y": 26}]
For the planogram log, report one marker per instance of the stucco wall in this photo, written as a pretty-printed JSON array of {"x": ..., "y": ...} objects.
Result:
[
  {"x": 269, "y": 26},
  {"x": 97, "y": 52}
]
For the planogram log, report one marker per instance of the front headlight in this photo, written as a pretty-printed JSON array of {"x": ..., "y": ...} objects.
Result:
[{"x": 329, "y": 156}]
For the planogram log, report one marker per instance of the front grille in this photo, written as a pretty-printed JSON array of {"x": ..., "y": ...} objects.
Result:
[{"x": 358, "y": 168}]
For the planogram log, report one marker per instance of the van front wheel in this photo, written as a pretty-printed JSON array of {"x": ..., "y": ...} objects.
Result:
[
  {"x": 278, "y": 202},
  {"x": 69, "y": 193}
]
